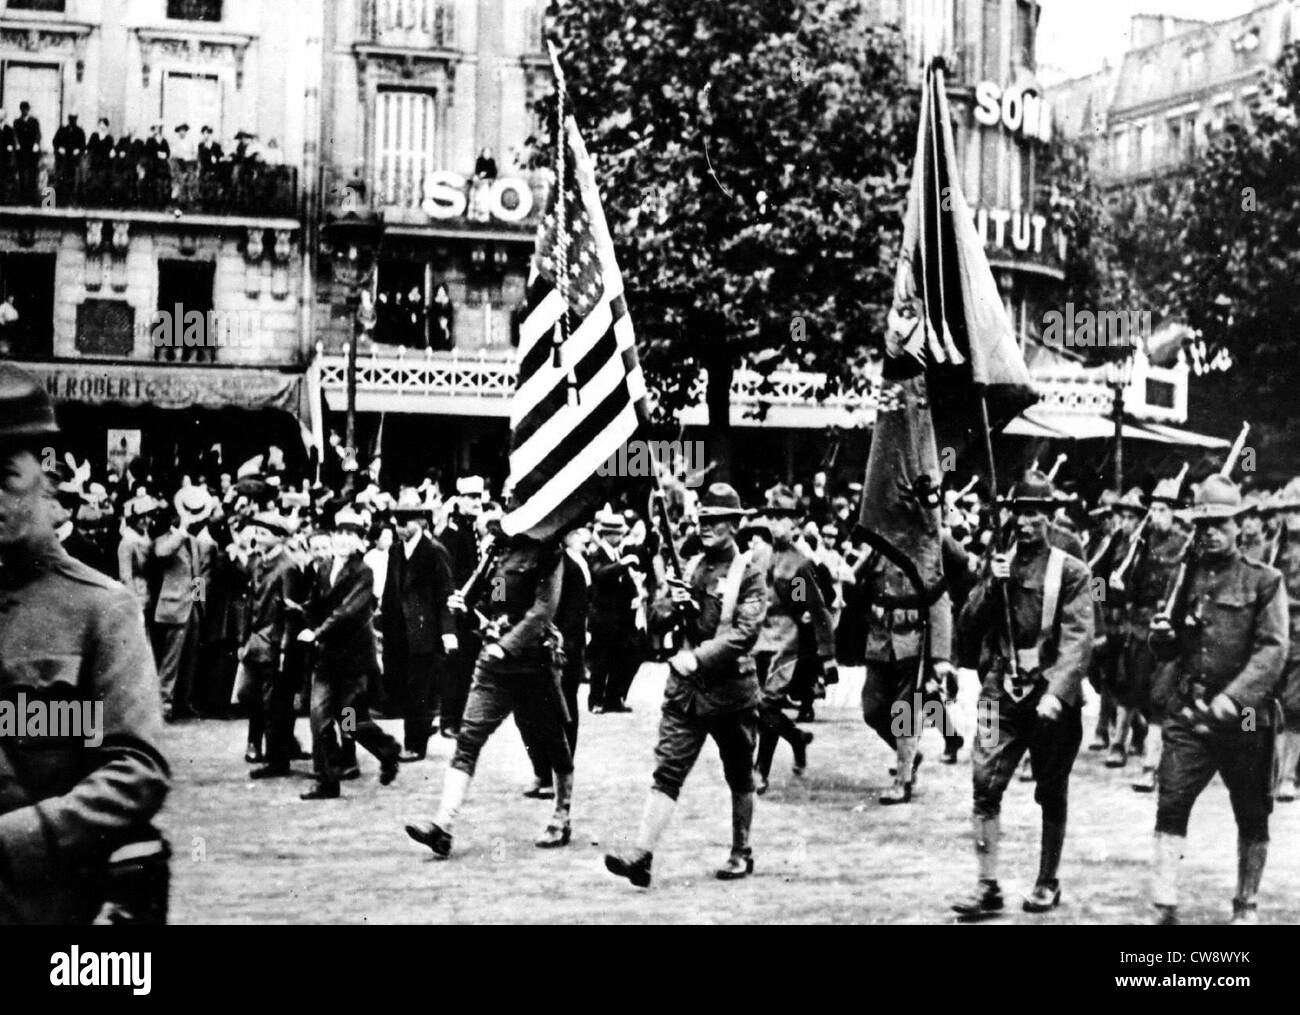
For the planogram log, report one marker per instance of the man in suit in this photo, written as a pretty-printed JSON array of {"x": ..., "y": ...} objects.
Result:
[
  {"x": 99, "y": 162},
  {"x": 69, "y": 146},
  {"x": 571, "y": 619},
  {"x": 612, "y": 658},
  {"x": 158, "y": 167},
  {"x": 417, "y": 626},
  {"x": 8, "y": 156},
  {"x": 27, "y": 135},
  {"x": 135, "y": 551},
  {"x": 340, "y": 617},
  {"x": 70, "y": 497},
  {"x": 461, "y": 541},
  {"x": 178, "y": 615}
]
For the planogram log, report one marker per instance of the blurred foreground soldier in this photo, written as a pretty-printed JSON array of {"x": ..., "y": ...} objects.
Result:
[
  {"x": 794, "y": 604},
  {"x": 518, "y": 671},
  {"x": 1227, "y": 635},
  {"x": 712, "y": 689},
  {"x": 340, "y": 615},
  {"x": 1288, "y": 562},
  {"x": 461, "y": 541},
  {"x": 1035, "y": 706},
  {"x": 76, "y": 843}
]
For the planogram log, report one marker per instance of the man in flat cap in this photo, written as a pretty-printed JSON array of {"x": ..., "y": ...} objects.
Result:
[
  {"x": 76, "y": 840},
  {"x": 712, "y": 688},
  {"x": 1030, "y": 696},
  {"x": 1227, "y": 636}
]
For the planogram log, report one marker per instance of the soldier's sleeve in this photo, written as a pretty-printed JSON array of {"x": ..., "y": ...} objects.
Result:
[
  {"x": 360, "y": 596},
  {"x": 941, "y": 629},
  {"x": 1074, "y": 638},
  {"x": 545, "y": 603},
  {"x": 169, "y": 542},
  {"x": 1258, "y": 679},
  {"x": 129, "y": 780},
  {"x": 727, "y": 646},
  {"x": 815, "y": 605}
]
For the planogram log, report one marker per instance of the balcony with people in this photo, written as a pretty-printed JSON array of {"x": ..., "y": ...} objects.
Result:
[{"x": 180, "y": 170}]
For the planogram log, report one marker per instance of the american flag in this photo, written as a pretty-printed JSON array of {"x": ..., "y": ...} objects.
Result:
[{"x": 577, "y": 399}]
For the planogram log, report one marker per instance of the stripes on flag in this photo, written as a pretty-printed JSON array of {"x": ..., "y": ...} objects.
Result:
[{"x": 557, "y": 442}]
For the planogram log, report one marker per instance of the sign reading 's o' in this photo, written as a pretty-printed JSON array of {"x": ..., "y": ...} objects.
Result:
[
  {"x": 446, "y": 196},
  {"x": 1021, "y": 111}
]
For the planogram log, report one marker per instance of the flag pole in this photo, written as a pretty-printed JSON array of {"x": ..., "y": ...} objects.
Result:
[
  {"x": 1000, "y": 519},
  {"x": 561, "y": 231}
]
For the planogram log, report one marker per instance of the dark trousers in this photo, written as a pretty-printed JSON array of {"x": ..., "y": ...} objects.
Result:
[
  {"x": 176, "y": 647},
  {"x": 1006, "y": 730},
  {"x": 267, "y": 692},
  {"x": 613, "y": 659},
  {"x": 339, "y": 705},
  {"x": 531, "y": 692},
  {"x": 682, "y": 736},
  {"x": 570, "y": 681},
  {"x": 415, "y": 686},
  {"x": 889, "y": 702},
  {"x": 1189, "y": 760},
  {"x": 458, "y": 674}
]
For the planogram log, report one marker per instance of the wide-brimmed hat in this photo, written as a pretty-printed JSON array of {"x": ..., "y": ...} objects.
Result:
[
  {"x": 1034, "y": 490},
  {"x": 721, "y": 503},
  {"x": 26, "y": 410},
  {"x": 1217, "y": 498},
  {"x": 1131, "y": 503},
  {"x": 141, "y": 504}
]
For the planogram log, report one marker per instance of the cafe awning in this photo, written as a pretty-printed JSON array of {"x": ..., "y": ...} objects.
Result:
[{"x": 1038, "y": 421}]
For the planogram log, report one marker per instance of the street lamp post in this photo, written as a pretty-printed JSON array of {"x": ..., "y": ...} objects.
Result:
[{"x": 1119, "y": 373}]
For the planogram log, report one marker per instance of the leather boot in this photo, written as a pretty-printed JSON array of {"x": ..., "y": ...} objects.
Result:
[
  {"x": 1164, "y": 894},
  {"x": 767, "y": 741},
  {"x": 1047, "y": 890},
  {"x": 741, "y": 861},
  {"x": 557, "y": 831},
  {"x": 1251, "y": 857},
  {"x": 986, "y": 899},
  {"x": 799, "y": 741}
]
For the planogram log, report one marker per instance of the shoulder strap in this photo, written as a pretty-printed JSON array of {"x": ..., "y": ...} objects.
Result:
[
  {"x": 1051, "y": 593},
  {"x": 731, "y": 588}
]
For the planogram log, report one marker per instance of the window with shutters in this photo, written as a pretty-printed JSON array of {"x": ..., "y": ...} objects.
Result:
[{"x": 403, "y": 147}]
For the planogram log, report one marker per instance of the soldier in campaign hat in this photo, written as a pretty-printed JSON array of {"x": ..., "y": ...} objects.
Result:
[
  {"x": 1031, "y": 697},
  {"x": 76, "y": 840},
  {"x": 712, "y": 690},
  {"x": 1227, "y": 637}
]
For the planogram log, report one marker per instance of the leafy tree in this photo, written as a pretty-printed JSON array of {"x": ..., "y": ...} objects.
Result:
[{"x": 753, "y": 159}]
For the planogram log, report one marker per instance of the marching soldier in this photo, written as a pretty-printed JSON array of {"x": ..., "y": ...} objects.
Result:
[
  {"x": 1227, "y": 635},
  {"x": 1144, "y": 588},
  {"x": 1033, "y": 704},
  {"x": 794, "y": 605},
  {"x": 518, "y": 670},
  {"x": 1288, "y": 562},
  {"x": 1110, "y": 620},
  {"x": 712, "y": 690},
  {"x": 462, "y": 543},
  {"x": 76, "y": 840}
]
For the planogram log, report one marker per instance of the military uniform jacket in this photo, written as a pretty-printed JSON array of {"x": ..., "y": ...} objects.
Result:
[
  {"x": 70, "y": 632},
  {"x": 522, "y": 601},
  {"x": 793, "y": 594},
  {"x": 1066, "y": 649},
  {"x": 897, "y": 634},
  {"x": 1152, "y": 572},
  {"x": 1232, "y": 634},
  {"x": 724, "y": 680}
]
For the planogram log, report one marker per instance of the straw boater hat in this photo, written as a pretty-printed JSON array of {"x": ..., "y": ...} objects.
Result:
[
  {"x": 470, "y": 486},
  {"x": 194, "y": 502},
  {"x": 1217, "y": 498},
  {"x": 141, "y": 504},
  {"x": 721, "y": 503},
  {"x": 610, "y": 522},
  {"x": 352, "y": 521}
]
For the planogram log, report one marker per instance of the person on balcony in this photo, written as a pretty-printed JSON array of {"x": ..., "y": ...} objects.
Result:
[
  {"x": 127, "y": 170},
  {"x": 99, "y": 163},
  {"x": 27, "y": 134},
  {"x": 69, "y": 146},
  {"x": 184, "y": 151},
  {"x": 8, "y": 151},
  {"x": 485, "y": 171},
  {"x": 440, "y": 316},
  {"x": 158, "y": 170},
  {"x": 212, "y": 160}
]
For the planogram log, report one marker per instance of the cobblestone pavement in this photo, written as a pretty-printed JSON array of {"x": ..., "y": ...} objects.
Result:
[{"x": 825, "y": 851}]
